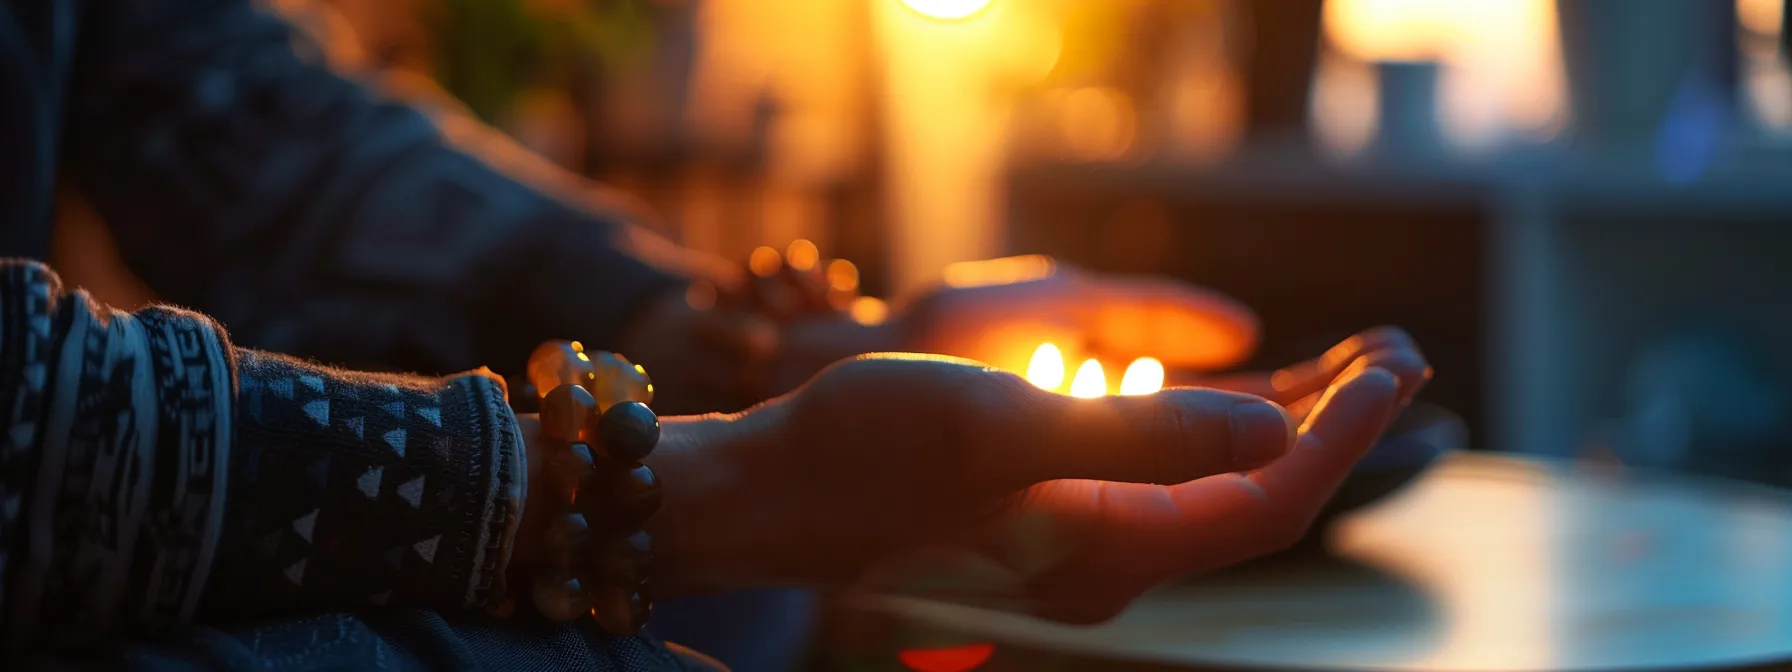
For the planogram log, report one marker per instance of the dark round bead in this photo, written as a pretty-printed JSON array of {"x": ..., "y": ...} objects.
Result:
[
  {"x": 621, "y": 499},
  {"x": 564, "y": 410},
  {"x": 637, "y": 493},
  {"x": 567, "y": 470},
  {"x": 629, "y": 431}
]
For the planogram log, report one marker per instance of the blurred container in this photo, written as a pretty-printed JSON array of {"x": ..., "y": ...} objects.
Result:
[
  {"x": 1408, "y": 128},
  {"x": 1627, "y": 60},
  {"x": 1284, "y": 50}
]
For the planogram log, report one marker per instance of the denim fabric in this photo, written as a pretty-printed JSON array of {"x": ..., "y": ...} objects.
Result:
[
  {"x": 398, "y": 640},
  {"x": 749, "y": 631}
]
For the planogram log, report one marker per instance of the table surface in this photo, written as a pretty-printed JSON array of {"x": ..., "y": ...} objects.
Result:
[{"x": 1486, "y": 563}]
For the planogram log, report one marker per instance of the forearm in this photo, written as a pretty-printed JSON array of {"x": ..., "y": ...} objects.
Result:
[
  {"x": 353, "y": 488},
  {"x": 315, "y": 218},
  {"x": 153, "y": 472}
]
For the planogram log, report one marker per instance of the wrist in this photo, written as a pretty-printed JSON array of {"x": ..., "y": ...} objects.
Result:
[{"x": 714, "y": 531}]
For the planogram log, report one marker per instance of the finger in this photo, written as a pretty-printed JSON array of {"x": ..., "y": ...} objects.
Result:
[
  {"x": 1132, "y": 537},
  {"x": 1290, "y": 384},
  {"x": 1183, "y": 325},
  {"x": 1173, "y": 436}
]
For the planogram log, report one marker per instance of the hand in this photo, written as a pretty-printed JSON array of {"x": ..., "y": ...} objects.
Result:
[
  {"x": 949, "y": 479},
  {"x": 1184, "y": 326}
]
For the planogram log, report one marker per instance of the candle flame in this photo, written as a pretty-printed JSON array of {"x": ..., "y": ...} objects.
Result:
[
  {"x": 947, "y": 9},
  {"x": 1089, "y": 382},
  {"x": 1047, "y": 368},
  {"x": 1144, "y": 376}
]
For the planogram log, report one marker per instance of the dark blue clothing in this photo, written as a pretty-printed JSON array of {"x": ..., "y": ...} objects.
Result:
[
  {"x": 306, "y": 214},
  {"x": 311, "y": 218}
]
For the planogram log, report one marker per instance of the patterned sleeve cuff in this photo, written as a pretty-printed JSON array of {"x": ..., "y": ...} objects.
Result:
[{"x": 353, "y": 488}]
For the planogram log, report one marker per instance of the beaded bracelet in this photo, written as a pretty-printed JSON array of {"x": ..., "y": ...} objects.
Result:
[{"x": 596, "y": 428}]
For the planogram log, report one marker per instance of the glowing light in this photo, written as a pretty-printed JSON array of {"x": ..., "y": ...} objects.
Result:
[
  {"x": 1761, "y": 17},
  {"x": 802, "y": 255},
  {"x": 1144, "y": 376},
  {"x": 948, "y": 659},
  {"x": 1097, "y": 122},
  {"x": 869, "y": 311},
  {"x": 764, "y": 262},
  {"x": 1391, "y": 30},
  {"x": 1004, "y": 271},
  {"x": 1047, "y": 368},
  {"x": 843, "y": 276},
  {"x": 1089, "y": 382},
  {"x": 947, "y": 9}
]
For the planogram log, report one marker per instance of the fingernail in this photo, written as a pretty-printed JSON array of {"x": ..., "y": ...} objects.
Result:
[{"x": 1261, "y": 433}]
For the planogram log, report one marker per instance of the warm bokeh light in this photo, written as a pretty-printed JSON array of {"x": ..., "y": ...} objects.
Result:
[
  {"x": 1007, "y": 270},
  {"x": 1098, "y": 122},
  {"x": 802, "y": 255},
  {"x": 947, "y": 9},
  {"x": 1089, "y": 382},
  {"x": 869, "y": 311},
  {"x": 700, "y": 295},
  {"x": 1502, "y": 76},
  {"x": 1390, "y": 30},
  {"x": 843, "y": 276},
  {"x": 763, "y": 262},
  {"x": 1144, "y": 376},
  {"x": 1046, "y": 370},
  {"x": 1762, "y": 17}
]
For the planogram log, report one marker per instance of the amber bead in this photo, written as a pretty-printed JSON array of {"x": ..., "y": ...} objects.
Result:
[
  {"x": 557, "y": 363},
  {"x": 612, "y": 609},
  {"x": 616, "y": 380},
  {"x": 564, "y": 412},
  {"x": 561, "y": 599},
  {"x": 629, "y": 431}
]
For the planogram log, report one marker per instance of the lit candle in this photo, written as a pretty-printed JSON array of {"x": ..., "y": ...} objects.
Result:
[
  {"x": 1144, "y": 376},
  {"x": 1089, "y": 382},
  {"x": 1047, "y": 368}
]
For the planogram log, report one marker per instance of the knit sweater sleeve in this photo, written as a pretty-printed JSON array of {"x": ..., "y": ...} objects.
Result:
[{"x": 153, "y": 474}]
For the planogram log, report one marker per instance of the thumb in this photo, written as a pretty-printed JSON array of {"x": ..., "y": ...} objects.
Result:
[{"x": 1173, "y": 436}]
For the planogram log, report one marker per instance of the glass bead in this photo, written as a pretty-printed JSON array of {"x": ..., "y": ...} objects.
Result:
[
  {"x": 628, "y": 431},
  {"x": 612, "y": 611},
  {"x": 561, "y": 599},
  {"x": 564, "y": 412},
  {"x": 617, "y": 380},
  {"x": 637, "y": 494},
  {"x": 557, "y": 363}
]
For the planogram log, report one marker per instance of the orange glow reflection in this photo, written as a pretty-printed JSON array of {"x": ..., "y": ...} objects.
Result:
[
  {"x": 843, "y": 276},
  {"x": 1046, "y": 370},
  {"x": 869, "y": 311},
  {"x": 763, "y": 262},
  {"x": 803, "y": 255},
  {"x": 947, "y": 659},
  {"x": 1004, "y": 271}
]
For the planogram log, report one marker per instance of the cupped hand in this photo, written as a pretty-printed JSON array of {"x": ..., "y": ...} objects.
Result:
[{"x": 946, "y": 478}]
